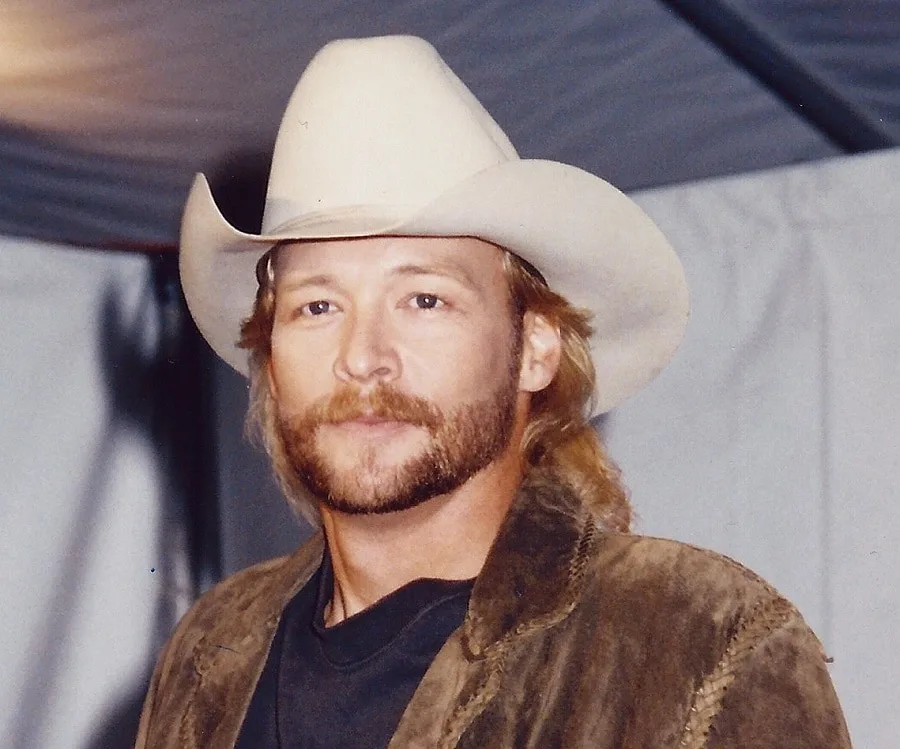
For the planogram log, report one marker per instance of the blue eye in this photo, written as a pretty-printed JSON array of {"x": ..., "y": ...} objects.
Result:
[
  {"x": 427, "y": 301},
  {"x": 318, "y": 307}
]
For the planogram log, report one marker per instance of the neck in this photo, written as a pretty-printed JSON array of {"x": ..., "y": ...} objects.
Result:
[{"x": 447, "y": 537}]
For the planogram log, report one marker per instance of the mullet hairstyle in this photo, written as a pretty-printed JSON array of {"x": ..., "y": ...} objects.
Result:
[{"x": 559, "y": 440}]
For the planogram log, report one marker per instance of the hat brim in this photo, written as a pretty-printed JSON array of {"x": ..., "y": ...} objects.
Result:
[{"x": 591, "y": 242}]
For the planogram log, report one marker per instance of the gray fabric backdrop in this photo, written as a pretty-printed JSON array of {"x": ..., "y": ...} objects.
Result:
[{"x": 108, "y": 107}]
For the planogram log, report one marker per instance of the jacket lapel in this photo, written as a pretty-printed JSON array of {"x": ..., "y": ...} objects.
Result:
[
  {"x": 228, "y": 660},
  {"x": 531, "y": 579}
]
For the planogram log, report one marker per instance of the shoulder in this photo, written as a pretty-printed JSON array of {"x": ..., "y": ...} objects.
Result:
[
  {"x": 254, "y": 595},
  {"x": 675, "y": 596},
  {"x": 675, "y": 572},
  {"x": 242, "y": 610},
  {"x": 221, "y": 642},
  {"x": 757, "y": 673}
]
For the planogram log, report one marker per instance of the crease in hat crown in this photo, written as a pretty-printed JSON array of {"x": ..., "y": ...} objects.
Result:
[
  {"x": 385, "y": 126},
  {"x": 381, "y": 137}
]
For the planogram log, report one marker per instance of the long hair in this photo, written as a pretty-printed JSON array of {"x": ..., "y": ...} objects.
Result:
[
  {"x": 558, "y": 440},
  {"x": 559, "y": 437}
]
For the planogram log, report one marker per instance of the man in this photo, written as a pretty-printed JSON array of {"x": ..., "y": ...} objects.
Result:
[{"x": 422, "y": 373}]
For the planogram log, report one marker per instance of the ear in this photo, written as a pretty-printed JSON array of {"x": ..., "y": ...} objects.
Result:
[
  {"x": 541, "y": 351},
  {"x": 270, "y": 376}
]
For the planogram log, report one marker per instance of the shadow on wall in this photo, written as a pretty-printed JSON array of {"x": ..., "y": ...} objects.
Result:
[
  {"x": 157, "y": 379},
  {"x": 119, "y": 729},
  {"x": 127, "y": 352},
  {"x": 251, "y": 520},
  {"x": 133, "y": 361},
  {"x": 256, "y": 522}
]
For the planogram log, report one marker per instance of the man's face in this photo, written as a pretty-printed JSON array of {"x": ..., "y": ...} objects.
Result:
[{"x": 394, "y": 367}]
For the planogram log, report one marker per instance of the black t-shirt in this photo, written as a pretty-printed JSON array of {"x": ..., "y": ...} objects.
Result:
[{"x": 347, "y": 686}]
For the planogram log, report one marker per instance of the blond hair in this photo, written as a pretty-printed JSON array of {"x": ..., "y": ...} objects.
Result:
[{"x": 558, "y": 439}]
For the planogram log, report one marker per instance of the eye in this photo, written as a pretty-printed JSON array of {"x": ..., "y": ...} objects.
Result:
[
  {"x": 427, "y": 301},
  {"x": 316, "y": 308}
]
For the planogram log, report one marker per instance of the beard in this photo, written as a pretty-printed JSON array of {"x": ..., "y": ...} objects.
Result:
[{"x": 458, "y": 445}]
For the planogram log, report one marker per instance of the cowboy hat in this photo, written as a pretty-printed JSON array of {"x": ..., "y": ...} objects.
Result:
[{"x": 380, "y": 137}]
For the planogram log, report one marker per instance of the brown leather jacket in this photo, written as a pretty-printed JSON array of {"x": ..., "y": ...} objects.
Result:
[{"x": 574, "y": 638}]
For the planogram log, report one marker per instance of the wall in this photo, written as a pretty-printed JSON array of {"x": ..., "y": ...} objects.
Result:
[{"x": 92, "y": 573}]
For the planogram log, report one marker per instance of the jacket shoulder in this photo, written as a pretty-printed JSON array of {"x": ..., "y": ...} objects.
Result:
[
  {"x": 219, "y": 647},
  {"x": 742, "y": 651},
  {"x": 758, "y": 673},
  {"x": 676, "y": 572},
  {"x": 681, "y": 601},
  {"x": 252, "y": 595}
]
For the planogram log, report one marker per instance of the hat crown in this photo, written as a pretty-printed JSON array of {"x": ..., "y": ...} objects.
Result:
[
  {"x": 381, "y": 138},
  {"x": 377, "y": 128}
]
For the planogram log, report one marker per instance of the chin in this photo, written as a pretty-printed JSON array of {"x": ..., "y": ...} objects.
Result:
[
  {"x": 359, "y": 496},
  {"x": 378, "y": 456}
]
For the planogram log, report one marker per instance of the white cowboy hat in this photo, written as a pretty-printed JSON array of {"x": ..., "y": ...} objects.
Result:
[{"x": 381, "y": 137}]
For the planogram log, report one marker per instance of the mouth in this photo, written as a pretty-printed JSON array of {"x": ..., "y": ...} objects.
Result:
[
  {"x": 371, "y": 420},
  {"x": 372, "y": 426}
]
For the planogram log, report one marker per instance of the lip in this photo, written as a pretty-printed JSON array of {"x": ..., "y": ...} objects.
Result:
[
  {"x": 373, "y": 421},
  {"x": 372, "y": 426}
]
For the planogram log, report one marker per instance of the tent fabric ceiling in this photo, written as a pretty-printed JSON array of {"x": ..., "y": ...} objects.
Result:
[{"x": 108, "y": 108}]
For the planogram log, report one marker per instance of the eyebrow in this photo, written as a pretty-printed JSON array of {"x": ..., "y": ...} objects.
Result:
[
  {"x": 440, "y": 269},
  {"x": 322, "y": 279}
]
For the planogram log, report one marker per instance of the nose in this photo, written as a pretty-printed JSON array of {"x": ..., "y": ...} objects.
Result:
[{"x": 367, "y": 354}]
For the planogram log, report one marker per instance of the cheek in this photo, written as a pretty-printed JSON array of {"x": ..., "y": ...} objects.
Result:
[
  {"x": 298, "y": 379},
  {"x": 466, "y": 364}
]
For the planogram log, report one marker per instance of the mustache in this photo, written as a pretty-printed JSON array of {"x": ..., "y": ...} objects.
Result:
[{"x": 382, "y": 402}]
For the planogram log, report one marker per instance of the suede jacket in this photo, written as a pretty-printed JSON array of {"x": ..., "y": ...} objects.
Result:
[{"x": 574, "y": 637}]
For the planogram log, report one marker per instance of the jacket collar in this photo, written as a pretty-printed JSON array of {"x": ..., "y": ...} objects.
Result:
[
  {"x": 254, "y": 601},
  {"x": 534, "y": 573},
  {"x": 531, "y": 578}
]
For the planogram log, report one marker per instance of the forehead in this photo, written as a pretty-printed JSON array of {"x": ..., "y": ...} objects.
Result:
[{"x": 470, "y": 261}]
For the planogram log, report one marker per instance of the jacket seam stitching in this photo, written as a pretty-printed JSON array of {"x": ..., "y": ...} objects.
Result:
[
  {"x": 708, "y": 698},
  {"x": 496, "y": 655}
]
